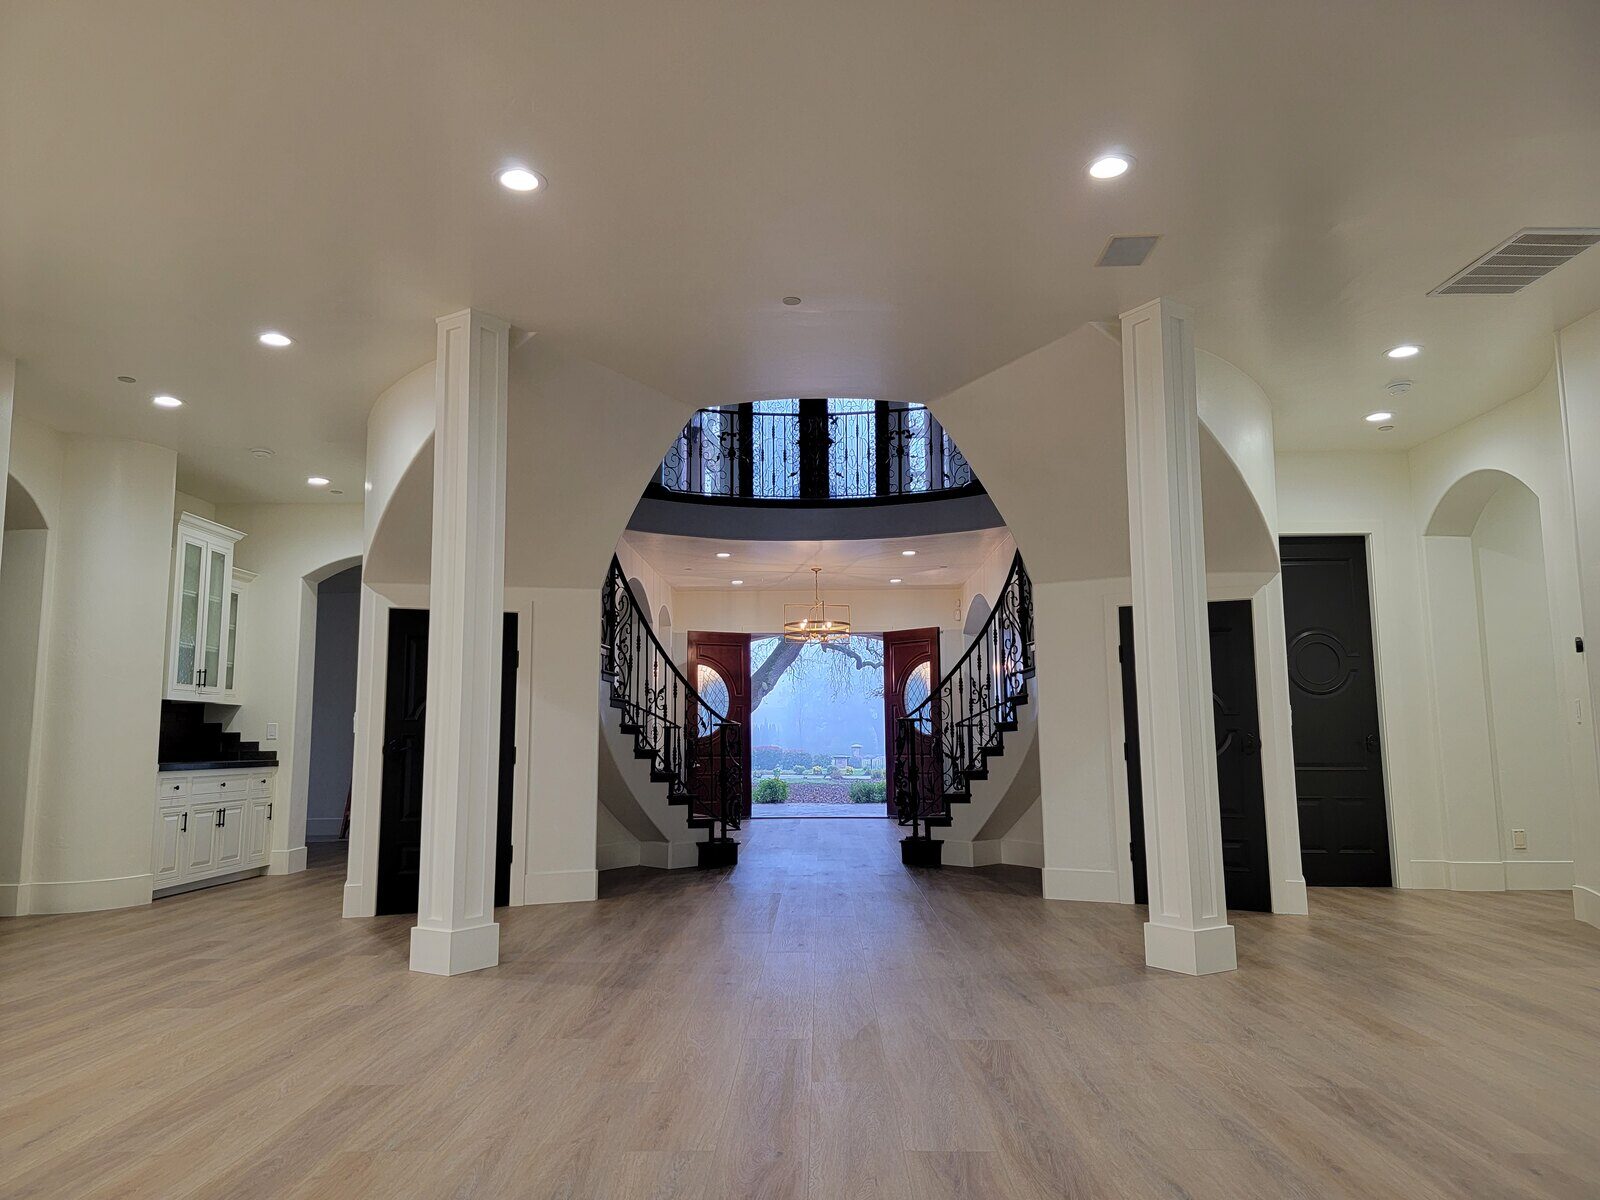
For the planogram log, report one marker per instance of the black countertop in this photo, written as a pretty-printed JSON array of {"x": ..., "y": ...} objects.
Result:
[{"x": 220, "y": 764}]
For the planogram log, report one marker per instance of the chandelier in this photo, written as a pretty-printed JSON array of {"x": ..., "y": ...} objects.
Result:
[{"x": 818, "y": 621}]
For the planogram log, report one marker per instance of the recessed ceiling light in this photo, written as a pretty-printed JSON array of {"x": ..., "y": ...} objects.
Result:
[
  {"x": 317, "y": 481},
  {"x": 1404, "y": 350},
  {"x": 1109, "y": 166},
  {"x": 520, "y": 179},
  {"x": 166, "y": 401},
  {"x": 908, "y": 554},
  {"x": 126, "y": 379},
  {"x": 896, "y": 581},
  {"x": 1379, "y": 417},
  {"x": 273, "y": 338},
  {"x": 737, "y": 582},
  {"x": 791, "y": 301},
  {"x": 723, "y": 554}
]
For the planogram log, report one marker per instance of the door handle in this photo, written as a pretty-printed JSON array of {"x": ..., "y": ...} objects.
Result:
[
  {"x": 269, "y": 810},
  {"x": 184, "y": 828},
  {"x": 1372, "y": 743},
  {"x": 219, "y": 819}
]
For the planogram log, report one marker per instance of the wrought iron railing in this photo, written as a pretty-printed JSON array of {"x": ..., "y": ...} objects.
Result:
[
  {"x": 813, "y": 450},
  {"x": 692, "y": 747},
  {"x": 945, "y": 743}
]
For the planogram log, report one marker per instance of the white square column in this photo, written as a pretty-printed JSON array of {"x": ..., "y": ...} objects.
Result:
[
  {"x": 1188, "y": 930},
  {"x": 455, "y": 929}
]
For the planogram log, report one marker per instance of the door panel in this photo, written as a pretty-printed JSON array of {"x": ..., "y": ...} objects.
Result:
[
  {"x": 230, "y": 836},
  {"x": 910, "y": 674},
  {"x": 1241, "y": 800},
  {"x": 1333, "y": 688},
  {"x": 725, "y": 659},
  {"x": 169, "y": 845},
  {"x": 200, "y": 842},
  {"x": 400, "y": 823}
]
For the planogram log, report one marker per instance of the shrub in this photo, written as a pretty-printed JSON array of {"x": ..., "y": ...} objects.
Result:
[
  {"x": 816, "y": 771},
  {"x": 863, "y": 791},
  {"x": 771, "y": 791}
]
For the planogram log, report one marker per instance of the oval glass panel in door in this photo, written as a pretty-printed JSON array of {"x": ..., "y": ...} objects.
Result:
[
  {"x": 915, "y": 692},
  {"x": 713, "y": 690}
]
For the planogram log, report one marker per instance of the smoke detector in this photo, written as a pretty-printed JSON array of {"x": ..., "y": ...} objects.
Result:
[
  {"x": 1397, "y": 387},
  {"x": 262, "y": 452}
]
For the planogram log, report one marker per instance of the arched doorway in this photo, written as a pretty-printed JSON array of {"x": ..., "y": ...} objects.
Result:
[{"x": 22, "y": 589}]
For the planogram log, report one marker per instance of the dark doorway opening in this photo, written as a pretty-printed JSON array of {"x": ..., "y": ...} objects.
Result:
[
  {"x": 1333, "y": 688},
  {"x": 405, "y": 710},
  {"x": 1246, "y": 873}
]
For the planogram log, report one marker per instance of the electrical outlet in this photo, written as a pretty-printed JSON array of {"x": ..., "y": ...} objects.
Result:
[
  {"x": 272, "y": 731},
  {"x": 1519, "y": 839}
]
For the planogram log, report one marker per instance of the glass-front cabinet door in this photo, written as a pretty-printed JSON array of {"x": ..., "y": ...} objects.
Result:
[{"x": 205, "y": 614}]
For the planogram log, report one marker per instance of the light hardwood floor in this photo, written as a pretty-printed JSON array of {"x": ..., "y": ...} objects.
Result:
[{"x": 817, "y": 1023}]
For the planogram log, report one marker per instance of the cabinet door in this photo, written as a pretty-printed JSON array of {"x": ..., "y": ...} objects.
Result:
[
  {"x": 189, "y": 615},
  {"x": 232, "y": 642},
  {"x": 200, "y": 843},
  {"x": 231, "y": 834},
  {"x": 219, "y": 568},
  {"x": 167, "y": 853},
  {"x": 258, "y": 832}
]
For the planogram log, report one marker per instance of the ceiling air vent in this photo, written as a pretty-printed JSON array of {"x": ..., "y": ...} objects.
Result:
[
  {"x": 1518, "y": 261},
  {"x": 1128, "y": 251}
]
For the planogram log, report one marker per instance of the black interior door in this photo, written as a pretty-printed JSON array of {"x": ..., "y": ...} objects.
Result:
[
  {"x": 400, "y": 822},
  {"x": 1241, "y": 799},
  {"x": 1333, "y": 687}
]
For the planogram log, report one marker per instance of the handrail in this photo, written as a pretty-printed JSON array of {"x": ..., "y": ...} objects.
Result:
[
  {"x": 693, "y": 747},
  {"x": 804, "y": 453},
  {"x": 945, "y": 742}
]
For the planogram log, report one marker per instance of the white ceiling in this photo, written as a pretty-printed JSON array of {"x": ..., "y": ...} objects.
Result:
[
  {"x": 942, "y": 560},
  {"x": 179, "y": 176}
]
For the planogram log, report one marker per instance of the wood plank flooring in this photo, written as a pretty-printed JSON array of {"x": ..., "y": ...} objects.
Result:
[{"x": 817, "y": 1023}]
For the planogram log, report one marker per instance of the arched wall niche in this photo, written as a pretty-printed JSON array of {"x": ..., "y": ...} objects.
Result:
[
  {"x": 977, "y": 613},
  {"x": 1508, "y": 785},
  {"x": 22, "y": 511}
]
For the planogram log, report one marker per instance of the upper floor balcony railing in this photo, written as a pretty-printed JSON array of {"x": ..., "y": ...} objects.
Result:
[{"x": 813, "y": 451}]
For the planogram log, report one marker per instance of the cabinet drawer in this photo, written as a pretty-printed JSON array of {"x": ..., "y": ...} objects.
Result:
[
  {"x": 225, "y": 785},
  {"x": 172, "y": 790},
  {"x": 260, "y": 786}
]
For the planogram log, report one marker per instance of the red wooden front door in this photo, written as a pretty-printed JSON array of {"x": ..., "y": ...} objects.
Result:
[
  {"x": 719, "y": 669},
  {"x": 910, "y": 676}
]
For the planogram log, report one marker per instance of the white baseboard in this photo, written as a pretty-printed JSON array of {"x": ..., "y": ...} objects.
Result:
[
  {"x": 1477, "y": 876},
  {"x": 1081, "y": 883},
  {"x": 616, "y": 854},
  {"x": 560, "y": 887},
  {"x": 970, "y": 854},
  {"x": 84, "y": 895},
  {"x": 454, "y": 951},
  {"x": 1538, "y": 875},
  {"x": 358, "y": 902},
  {"x": 1016, "y": 853},
  {"x": 668, "y": 856},
  {"x": 1428, "y": 874},
  {"x": 10, "y": 899},
  {"x": 1190, "y": 951},
  {"x": 1586, "y": 904},
  {"x": 1289, "y": 897},
  {"x": 287, "y": 862}
]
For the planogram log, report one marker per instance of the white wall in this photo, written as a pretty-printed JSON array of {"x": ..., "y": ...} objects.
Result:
[
  {"x": 22, "y": 575},
  {"x": 333, "y": 702},
  {"x": 291, "y": 548},
  {"x": 1578, "y": 364}
]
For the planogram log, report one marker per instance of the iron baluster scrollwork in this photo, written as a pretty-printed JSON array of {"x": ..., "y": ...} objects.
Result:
[
  {"x": 691, "y": 746},
  {"x": 814, "y": 450},
  {"x": 944, "y": 744}
]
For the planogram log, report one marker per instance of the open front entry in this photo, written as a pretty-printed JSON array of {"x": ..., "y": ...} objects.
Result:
[
  {"x": 719, "y": 669},
  {"x": 400, "y": 822},
  {"x": 1239, "y": 789}
]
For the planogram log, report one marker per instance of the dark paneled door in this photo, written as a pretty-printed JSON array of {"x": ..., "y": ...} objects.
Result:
[
  {"x": 910, "y": 676},
  {"x": 1241, "y": 800},
  {"x": 400, "y": 822},
  {"x": 1333, "y": 687},
  {"x": 719, "y": 669}
]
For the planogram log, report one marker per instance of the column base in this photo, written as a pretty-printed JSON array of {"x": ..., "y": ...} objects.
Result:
[
  {"x": 454, "y": 951},
  {"x": 1189, "y": 951},
  {"x": 921, "y": 852}
]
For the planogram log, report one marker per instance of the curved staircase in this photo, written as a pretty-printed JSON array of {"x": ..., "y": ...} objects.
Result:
[
  {"x": 689, "y": 745},
  {"x": 944, "y": 745}
]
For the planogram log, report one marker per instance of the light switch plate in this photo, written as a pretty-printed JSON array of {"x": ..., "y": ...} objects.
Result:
[
  {"x": 272, "y": 731},
  {"x": 1519, "y": 839}
]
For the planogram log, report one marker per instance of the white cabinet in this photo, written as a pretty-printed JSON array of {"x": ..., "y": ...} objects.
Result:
[
  {"x": 204, "y": 610},
  {"x": 210, "y": 824},
  {"x": 230, "y": 665}
]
